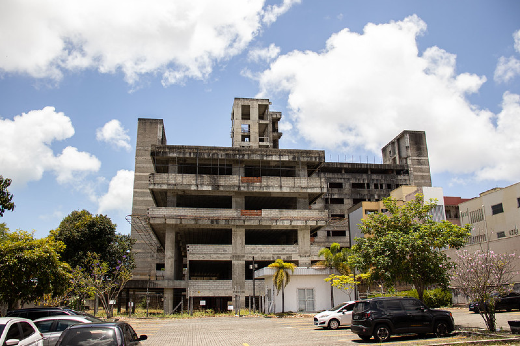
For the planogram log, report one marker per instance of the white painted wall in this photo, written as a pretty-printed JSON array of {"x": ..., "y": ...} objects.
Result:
[{"x": 309, "y": 278}]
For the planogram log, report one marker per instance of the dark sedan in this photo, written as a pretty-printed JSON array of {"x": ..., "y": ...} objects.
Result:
[{"x": 100, "y": 334}]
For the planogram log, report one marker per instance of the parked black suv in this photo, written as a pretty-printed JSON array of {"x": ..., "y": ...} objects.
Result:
[
  {"x": 35, "y": 313},
  {"x": 382, "y": 317}
]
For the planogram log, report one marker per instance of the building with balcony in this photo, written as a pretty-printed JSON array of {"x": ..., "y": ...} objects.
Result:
[{"x": 202, "y": 215}]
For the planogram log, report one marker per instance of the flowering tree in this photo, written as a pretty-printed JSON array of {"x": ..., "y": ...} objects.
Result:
[
  {"x": 483, "y": 276},
  {"x": 105, "y": 281}
]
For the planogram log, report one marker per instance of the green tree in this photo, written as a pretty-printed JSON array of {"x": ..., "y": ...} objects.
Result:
[
  {"x": 405, "y": 245},
  {"x": 282, "y": 277},
  {"x": 88, "y": 236},
  {"x": 335, "y": 258},
  {"x": 30, "y": 268},
  {"x": 6, "y": 198}
]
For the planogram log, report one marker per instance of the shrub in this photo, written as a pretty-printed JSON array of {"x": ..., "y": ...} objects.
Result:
[{"x": 435, "y": 298}]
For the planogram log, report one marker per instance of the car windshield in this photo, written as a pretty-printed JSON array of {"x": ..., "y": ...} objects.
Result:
[
  {"x": 2, "y": 326},
  {"x": 337, "y": 307},
  {"x": 97, "y": 336}
]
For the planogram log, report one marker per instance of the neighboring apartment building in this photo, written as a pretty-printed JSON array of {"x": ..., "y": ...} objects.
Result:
[
  {"x": 402, "y": 194},
  {"x": 202, "y": 215},
  {"x": 495, "y": 218}
]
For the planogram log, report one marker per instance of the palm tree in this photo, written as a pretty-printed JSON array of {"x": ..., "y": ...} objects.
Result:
[
  {"x": 281, "y": 277},
  {"x": 335, "y": 258}
]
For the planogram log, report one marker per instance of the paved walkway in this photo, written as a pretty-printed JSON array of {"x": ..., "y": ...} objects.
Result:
[{"x": 261, "y": 331}]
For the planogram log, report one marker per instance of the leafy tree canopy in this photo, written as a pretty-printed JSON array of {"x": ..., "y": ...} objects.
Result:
[
  {"x": 6, "y": 198},
  {"x": 404, "y": 245},
  {"x": 30, "y": 268},
  {"x": 84, "y": 233}
]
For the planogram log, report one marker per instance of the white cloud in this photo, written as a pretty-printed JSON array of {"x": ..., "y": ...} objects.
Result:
[
  {"x": 507, "y": 69},
  {"x": 364, "y": 89},
  {"x": 264, "y": 54},
  {"x": 516, "y": 37},
  {"x": 272, "y": 12},
  {"x": 114, "y": 133},
  {"x": 119, "y": 195},
  {"x": 26, "y": 148},
  {"x": 176, "y": 39}
]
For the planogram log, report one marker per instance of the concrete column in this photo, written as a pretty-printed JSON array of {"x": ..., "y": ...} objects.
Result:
[
  {"x": 301, "y": 170},
  {"x": 304, "y": 246},
  {"x": 171, "y": 199},
  {"x": 238, "y": 169},
  {"x": 302, "y": 202},
  {"x": 253, "y": 128},
  {"x": 168, "y": 301},
  {"x": 238, "y": 202},
  {"x": 170, "y": 249},
  {"x": 238, "y": 263}
]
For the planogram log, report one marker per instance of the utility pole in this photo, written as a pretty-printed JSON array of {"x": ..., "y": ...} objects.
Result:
[{"x": 254, "y": 266}]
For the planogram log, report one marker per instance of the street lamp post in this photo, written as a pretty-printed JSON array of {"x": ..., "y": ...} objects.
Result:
[{"x": 253, "y": 267}]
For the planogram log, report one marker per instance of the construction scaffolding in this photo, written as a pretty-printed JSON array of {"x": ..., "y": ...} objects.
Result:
[{"x": 141, "y": 225}]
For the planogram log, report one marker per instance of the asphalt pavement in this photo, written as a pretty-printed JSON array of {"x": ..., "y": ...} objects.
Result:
[{"x": 256, "y": 331}]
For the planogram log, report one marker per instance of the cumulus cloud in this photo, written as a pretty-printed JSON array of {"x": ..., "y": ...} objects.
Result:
[
  {"x": 272, "y": 12},
  {"x": 176, "y": 39},
  {"x": 264, "y": 54},
  {"x": 114, "y": 133},
  {"x": 508, "y": 68},
  {"x": 365, "y": 88},
  {"x": 119, "y": 195},
  {"x": 26, "y": 148}
]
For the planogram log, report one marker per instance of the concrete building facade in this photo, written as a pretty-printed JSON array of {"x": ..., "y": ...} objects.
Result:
[{"x": 202, "y": 215}]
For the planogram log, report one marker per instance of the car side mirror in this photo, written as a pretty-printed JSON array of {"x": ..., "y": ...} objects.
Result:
[
  {"x": 143, "y": 337},
  {"x": 12, "y": 342}
]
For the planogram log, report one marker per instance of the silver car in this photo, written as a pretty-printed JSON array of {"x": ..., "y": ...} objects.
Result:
[
  {"x": 19, "y": 331},
  {"x": 51, "y": 327}
]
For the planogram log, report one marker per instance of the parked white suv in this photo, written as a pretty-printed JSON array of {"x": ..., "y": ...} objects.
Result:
[
  {"x": 19, "y": 331},
  {"x": 340, "y": 315}
]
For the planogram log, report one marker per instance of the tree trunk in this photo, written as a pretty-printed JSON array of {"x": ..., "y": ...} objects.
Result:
[
  {"x": 331, "y": 295},
  {"x": 283, "y": 299}
]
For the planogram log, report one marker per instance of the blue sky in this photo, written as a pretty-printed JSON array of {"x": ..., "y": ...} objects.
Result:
[{"x": 348, "y": 76}]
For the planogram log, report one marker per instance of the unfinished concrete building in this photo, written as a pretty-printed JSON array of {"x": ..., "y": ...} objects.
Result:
[{"x": 202, "y": 215}]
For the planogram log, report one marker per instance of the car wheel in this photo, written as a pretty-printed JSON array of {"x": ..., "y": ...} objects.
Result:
[
  {"x": 441, "y": 329},
  {"x": 364, "y": 337},
  {"x": 382, "y": 333},
  {"x": 333, "y": 324}
]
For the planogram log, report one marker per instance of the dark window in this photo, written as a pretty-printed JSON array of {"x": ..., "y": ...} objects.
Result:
[
  {"x": 411, "y": 304},
  {"x": 336, "y": 201},
  {"x": 501, "y": 234},
  {"x": 368, "y": 211},
  {"x": 44, "y": 326},
  {"x": 336, "y": 233},
  {"x": 13, "y": 332},
  {"x": 497, "y": 209},
  {"x": 518, "y": 201},
  {"x": 393, "y": 305},
  {"x": 27, "y": 329},
  {"x": 358, "y": 186},
  {"x": 337, "y": 216},
  {"x": 335, "y": 185},
  {"x": 61, "y": 325}
]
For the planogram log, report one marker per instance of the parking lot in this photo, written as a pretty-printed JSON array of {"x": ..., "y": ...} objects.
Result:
[{"x": 256, "y": 331}]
